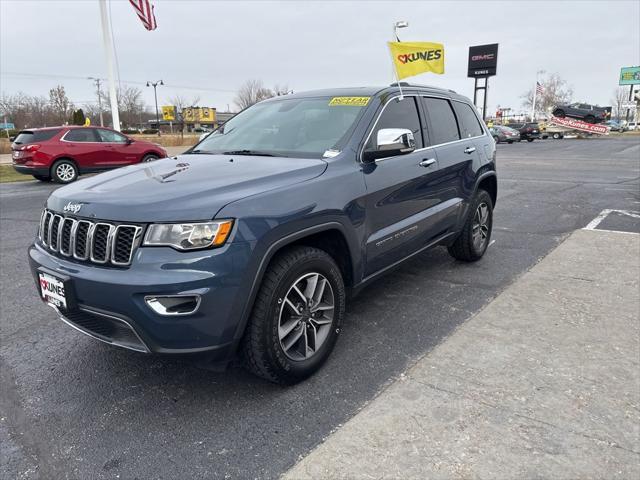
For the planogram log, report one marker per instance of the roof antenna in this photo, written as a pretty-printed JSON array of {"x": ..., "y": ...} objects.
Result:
[{"x": 396, "y": 26}]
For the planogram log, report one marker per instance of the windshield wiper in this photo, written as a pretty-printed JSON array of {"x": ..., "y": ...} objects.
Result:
[
  {"x": 200, "y": 152},
  {"x": 250, "y": 152}
]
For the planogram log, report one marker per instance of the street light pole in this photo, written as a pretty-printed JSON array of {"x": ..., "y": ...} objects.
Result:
[
  {"x": 97, "y": 82},
  {"x": 155, "y": 94}
]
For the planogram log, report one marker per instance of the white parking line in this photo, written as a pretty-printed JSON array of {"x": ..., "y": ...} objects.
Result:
[{"x": 603, "y": 214}]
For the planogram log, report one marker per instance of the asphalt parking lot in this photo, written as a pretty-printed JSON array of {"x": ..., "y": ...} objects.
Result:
[{"x": 71, "y": 407}]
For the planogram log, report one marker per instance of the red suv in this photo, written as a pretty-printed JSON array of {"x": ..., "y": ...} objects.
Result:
[{"x": 63, "y": 153}]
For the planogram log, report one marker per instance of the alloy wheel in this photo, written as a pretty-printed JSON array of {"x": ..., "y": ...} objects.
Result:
[
  {"x": 306, "y": 316},
  {"x": 65, "y": 172},
  {"x": 480, "y": 226}
]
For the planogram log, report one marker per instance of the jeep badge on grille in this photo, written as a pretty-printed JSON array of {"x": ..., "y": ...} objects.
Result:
[{"x": 72, "y": 207}]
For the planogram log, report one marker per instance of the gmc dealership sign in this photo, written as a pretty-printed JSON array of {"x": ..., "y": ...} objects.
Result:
[{"x": 483, "y": 60}]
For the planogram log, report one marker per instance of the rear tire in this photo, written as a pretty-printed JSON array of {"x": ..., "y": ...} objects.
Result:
[
  {"x": 476, "y": 233},
  {"x": 64, "y": 171},
  {"x": 286, "y": 340},
  {"x": 556, "y": 136},
  {"x": 42, "y": 178}
]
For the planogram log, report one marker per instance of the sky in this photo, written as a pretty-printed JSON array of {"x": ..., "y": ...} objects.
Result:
[{"x": 209, "y": 48}]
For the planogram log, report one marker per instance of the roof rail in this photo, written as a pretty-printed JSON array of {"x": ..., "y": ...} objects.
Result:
[{"x": 407, "y": 84}]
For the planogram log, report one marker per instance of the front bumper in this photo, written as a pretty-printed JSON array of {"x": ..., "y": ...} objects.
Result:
[{"x": 108, "y": 303}]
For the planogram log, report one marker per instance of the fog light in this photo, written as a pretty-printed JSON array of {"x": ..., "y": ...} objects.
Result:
[{"x": 173, "y": 304}]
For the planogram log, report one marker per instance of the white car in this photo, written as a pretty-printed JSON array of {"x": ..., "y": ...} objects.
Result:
[{"x": 632, "y": 125}]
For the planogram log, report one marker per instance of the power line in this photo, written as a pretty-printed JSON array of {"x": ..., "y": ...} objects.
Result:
[{"x": 129, "y": 82}]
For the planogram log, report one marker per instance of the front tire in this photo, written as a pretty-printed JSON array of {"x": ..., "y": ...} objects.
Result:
[
  {"x": 476, "y": 233},
  {"x": 64, "y": 171},
  {"x": 149, "y": 158},
  {"x": 529, "y": 139},
  {"x": 590, "y": 119},
  {"x": 559, "y": 113},
  {"x": 296, "y": 318}
]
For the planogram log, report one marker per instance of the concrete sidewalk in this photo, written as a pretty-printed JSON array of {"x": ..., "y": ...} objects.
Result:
[{"x": 542, "y": 383}]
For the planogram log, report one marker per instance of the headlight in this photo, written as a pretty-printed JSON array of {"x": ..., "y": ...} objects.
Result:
[{"x": 188, "y": 236}]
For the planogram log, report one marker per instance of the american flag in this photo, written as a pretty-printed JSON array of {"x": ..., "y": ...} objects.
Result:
[
  {"x": 144, "y": 9},
  {"x": 539, "y": 88}
]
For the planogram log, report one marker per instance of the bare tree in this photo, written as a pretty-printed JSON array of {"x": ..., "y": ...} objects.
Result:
[
  {"x": 250, "y": 92},
  {"x": 27, "y": 111},
  {"x": 620, "y": 96},
  {"x": 555, "y": 91},
  {"x": 280, "y": 90},
  {"x": 130, "y": 105},
  {"x": 60, "y": 104}
]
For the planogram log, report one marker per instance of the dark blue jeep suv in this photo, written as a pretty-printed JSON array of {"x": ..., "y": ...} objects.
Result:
[{"x": 251, "y": 240}]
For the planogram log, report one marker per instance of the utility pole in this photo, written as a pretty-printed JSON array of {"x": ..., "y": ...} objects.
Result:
[
  {"x": 97, "y": 81},
  {"x": 108, "y": 47},
  {"x": 155, "y": 94}
]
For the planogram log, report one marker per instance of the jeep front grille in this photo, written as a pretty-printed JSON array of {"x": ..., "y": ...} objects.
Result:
[{"x": 98, "y": 242}]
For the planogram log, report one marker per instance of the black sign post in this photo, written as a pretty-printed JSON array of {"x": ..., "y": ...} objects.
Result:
[{"x": 483, "y": 62}]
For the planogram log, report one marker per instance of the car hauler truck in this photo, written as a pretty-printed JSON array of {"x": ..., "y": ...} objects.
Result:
[{"x": 560, "y": 127}]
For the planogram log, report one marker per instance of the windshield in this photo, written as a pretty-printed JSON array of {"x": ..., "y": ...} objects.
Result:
[{"x": 296, "y": 127}]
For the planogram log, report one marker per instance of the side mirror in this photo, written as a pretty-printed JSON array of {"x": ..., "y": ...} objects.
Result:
[
  {"x": 129, "y": 141},
  {"x": 11, "y": 139},
  {"x": 391, "y": 142}
]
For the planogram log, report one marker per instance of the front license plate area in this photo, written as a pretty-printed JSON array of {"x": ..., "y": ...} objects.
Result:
[{"x": 54, "y": 290}]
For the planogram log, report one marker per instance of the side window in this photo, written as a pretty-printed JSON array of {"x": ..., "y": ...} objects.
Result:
[
  {"x": 444, "y": 127},
  {"x": 469, "y": 124},
  {"x": 81, "y": 135},
  {"x": 42, "y": 135},
  {"x": 109, "y": 136},
  {"x": 399, "y": 114}
]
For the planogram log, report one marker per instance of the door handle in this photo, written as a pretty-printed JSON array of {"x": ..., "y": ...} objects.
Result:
[
  {"x": 427, "y": 162},
  {"x": 469, "y": 149}
]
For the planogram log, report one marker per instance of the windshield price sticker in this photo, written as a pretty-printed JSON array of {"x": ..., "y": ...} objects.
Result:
[{"x": 349, "y": 101}]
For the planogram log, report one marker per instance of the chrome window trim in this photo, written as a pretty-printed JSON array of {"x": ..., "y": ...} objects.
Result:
[
  {"x": 483, "y": 126},
  {"x": 375, "y": 123},
  {"x": 63, "y": 138},
  {"x": 137, "y": 237},
  {"x": 107, "y": 251},
  {"x": 425, "y": 147}
]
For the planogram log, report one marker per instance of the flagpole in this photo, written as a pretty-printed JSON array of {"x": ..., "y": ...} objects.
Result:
[
  {"x": 535, "y": 94},
  {"x": 108, "y": 48},
  {"x": 395, "y": 73}
]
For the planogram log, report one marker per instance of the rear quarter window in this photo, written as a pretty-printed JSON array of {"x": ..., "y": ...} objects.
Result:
[
  {"x": 443, "y": 127},
  {"x": 35, "y": 136},
  {"x": 469, "y": 123}
]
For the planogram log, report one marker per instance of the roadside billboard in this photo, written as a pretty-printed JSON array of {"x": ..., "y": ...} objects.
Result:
[
  {"x": 168, "y": 113},
  {"x": 199, "y": 115},
  {"x": 629, "y": 76},
  {"x": 483, "y": 60}
]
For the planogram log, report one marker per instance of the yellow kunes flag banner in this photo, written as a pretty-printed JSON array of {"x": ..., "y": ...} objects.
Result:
[{"x": 412, "y": 58}]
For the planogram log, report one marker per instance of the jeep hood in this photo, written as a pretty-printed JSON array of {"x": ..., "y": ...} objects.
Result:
[{"x": 183, "y": 188}]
